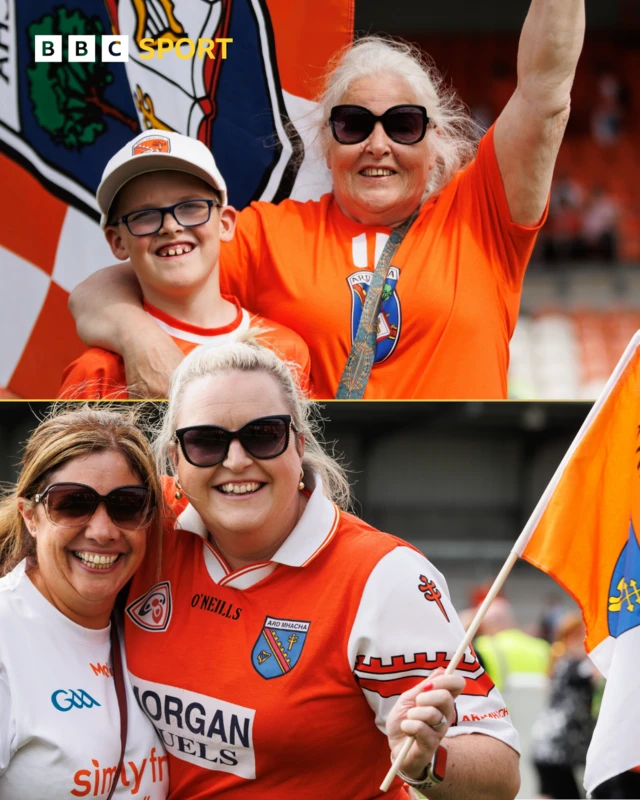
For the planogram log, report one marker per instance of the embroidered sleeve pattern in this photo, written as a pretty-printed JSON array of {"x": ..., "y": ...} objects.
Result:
[{"x": 405, "y": 628}]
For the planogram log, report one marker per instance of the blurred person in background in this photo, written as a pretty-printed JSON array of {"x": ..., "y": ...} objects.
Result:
[
  {"x": 400, "y": 147},
  {"x": 518, "y": 663},
  {"x": 608, "y": 112},
  {"x": 507, "y": 652},
  {"x": 563, "y": 730},
  {"x": 601, "y": 217}
]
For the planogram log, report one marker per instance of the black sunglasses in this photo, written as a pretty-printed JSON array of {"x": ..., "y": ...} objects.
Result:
[
  {"x": 263, "y": 438},
  {"x": 188, "y": 214},
  {"x": 73, "y": 504},
  {"x": 403, "y": 124}
]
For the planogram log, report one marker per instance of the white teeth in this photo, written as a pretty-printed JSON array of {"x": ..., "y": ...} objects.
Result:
[
  {"x": 96, "y": 560},
  {"x": 176, "y": 251},
  {"x": 239, "y": 488},
  {"x": 373, "y": 172}
]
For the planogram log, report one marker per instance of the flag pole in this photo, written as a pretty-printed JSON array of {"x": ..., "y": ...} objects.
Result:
[{"x": 466, "y": 641}]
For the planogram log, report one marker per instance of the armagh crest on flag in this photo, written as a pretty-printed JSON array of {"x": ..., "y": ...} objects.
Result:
[
  {"x": 61, "y": 121},
  {"x": 584, "y": 534}
]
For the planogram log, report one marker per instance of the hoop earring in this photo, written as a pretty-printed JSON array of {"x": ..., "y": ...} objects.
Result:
[
  {"x": 178, "y": 495},
  {"x": 301, "y": 484}
]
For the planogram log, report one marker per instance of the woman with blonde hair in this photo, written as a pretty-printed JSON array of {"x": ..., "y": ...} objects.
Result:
[
  {"x": 294, "y": 642},
  {"x": 73, "y": 530},
  {"x": 405, "y": 280}
]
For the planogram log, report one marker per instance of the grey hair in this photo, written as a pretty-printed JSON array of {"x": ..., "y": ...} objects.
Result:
[
  {"x": 454, "y": 135},
  {"x": 246, "y": 355}
]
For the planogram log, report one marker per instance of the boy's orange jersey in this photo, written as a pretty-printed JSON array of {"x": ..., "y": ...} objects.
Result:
[
  {"x": 451, "y": 299},
  {"x": 100, "y": 374}
]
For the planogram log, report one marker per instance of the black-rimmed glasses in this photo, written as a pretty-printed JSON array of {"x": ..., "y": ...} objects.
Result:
[
  {"x": 406, "y": 124},
  {"x": 263, "y": 438},
  {"x": 188, "y": 214},
  {"x": 73, "y": 504}
]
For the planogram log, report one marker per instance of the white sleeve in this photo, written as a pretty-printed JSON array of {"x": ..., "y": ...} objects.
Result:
[
  {"x": 7, "y": 724},
  {"x": 406, "y": 627}
]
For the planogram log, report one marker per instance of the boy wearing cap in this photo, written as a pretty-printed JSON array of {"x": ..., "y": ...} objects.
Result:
[{"x": 164, "y": 207}]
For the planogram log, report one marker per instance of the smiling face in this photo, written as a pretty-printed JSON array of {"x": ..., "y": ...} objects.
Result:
[
  {"x": 379, "y": 182},
  {"x": 176, "y": 262},
  {"x": 80, "y": 570},
  {"x": 248, "y": 505}
]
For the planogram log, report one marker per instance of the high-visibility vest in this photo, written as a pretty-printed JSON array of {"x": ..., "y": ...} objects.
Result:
[{"x": 513, "y": 657}]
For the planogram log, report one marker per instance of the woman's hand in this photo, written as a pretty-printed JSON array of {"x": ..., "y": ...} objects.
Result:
[
  {"x": 149, "y": 363},
  {"x": 415, "y": 714}
]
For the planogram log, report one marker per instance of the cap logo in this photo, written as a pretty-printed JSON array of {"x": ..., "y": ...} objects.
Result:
[{"x": 152, "y": 144}]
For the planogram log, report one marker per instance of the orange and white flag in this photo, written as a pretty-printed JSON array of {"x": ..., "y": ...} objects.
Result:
[
  {"x": 584, "y": 533},
  {"x": 252, "y": 102}
]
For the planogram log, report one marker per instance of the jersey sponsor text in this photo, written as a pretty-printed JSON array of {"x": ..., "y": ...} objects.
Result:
[
  {"x": 98, "y": 779},
  {"x": 211, "y": 733}
]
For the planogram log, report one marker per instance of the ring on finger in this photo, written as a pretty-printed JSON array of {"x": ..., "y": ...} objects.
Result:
[{"x": 438, "y": 725}]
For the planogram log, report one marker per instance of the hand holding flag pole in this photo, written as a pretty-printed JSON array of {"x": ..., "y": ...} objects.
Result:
[
  {"x": 471, "y": 632},
  {"x": 582, "y": 534}
]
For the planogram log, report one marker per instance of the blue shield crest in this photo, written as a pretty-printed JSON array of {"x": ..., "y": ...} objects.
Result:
[
  {"x": 624, "y": 590},
  {"x": 389, "y": 317},
  {"x": 279, "y": 645}
]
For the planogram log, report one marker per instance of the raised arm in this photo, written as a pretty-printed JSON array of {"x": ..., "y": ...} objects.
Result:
[
  {"x": 529, "y": 131},
  {"x": 107, "y": 307}
]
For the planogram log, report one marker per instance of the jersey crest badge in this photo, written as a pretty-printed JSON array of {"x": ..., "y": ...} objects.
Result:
[
  {"x": 279, "y": 646},
  {"x": 624, "y": 589},
  {"x": 389, "y": 316},
  {"x": 152, "y": 611}
]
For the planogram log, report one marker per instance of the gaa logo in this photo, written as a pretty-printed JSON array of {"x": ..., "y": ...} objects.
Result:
[{"x": 66, "y": 699}]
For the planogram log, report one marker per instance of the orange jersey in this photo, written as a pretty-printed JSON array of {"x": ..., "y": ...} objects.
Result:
[
  {"x": 275, "y": 680},
  {"x": 100, "y": 374},
  {"x": 451, "y": 298}
]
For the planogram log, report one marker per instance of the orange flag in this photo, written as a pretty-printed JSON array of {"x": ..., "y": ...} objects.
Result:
[{"x": 584, "y": 534}]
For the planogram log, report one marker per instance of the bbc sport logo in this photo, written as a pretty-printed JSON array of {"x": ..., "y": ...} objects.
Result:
[{"x": 116, "y": 48}]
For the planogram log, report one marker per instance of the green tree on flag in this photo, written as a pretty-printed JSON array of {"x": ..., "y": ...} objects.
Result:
[{"x": 68, "y": 97}]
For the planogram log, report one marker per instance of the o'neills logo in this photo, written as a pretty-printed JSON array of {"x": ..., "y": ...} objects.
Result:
[
  {"x": 152, "y": 611},
  {"x": 152, "y": 144}
]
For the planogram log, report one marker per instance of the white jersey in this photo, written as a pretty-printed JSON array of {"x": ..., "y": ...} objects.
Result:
[{"x": 59, "y": 715}]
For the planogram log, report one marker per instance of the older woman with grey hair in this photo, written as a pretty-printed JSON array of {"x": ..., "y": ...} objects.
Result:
[{"x": 412, "y": 184}]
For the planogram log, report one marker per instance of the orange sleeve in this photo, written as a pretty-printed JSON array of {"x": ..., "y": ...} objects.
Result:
[
  {"x": 287, "y": 345},
  {"x": 96, "y": 375},
  {"x": 483, "y": 203},
  {"x": 241, "y": 258}
]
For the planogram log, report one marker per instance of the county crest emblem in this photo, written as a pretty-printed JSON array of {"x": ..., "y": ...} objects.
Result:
[
  {"x": 152, "y": 611},
  {"x": 279, "y": 645},
  {"x": 389, "y": 316},
  {"x": 624, "y": 590}
]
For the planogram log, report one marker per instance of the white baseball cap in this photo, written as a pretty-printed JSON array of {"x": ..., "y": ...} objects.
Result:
[{"x": 152, "y": 151}]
